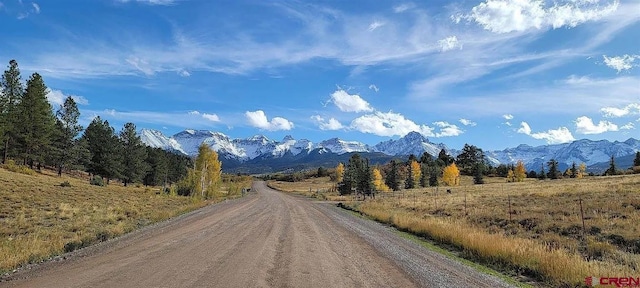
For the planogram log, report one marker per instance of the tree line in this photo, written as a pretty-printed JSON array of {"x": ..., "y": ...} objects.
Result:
[
  {"x": 359, "y": 177},
  {"x": 36, "y": 135}
]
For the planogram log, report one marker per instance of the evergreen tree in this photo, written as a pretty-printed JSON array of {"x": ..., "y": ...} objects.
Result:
[
  {"x": 424, "y": 175},
  {"x": 434, "y": 171},
  {"x": 532, "y": 174},
  {"x": 573, "y": 170},
  {"x": 104, "y": 148},
  {"x": 444, "y": 159},
  {"x": 468, "y": 158},
  {"x": 553, "y": 169},
  {"x": 542, "y": 175},
  {"x": 636, "y": 161},
  {"x": 12, "y": 91},
  {"x": 409, "y": 183},
  {"x": 478, "y": 177},
  {"x": 158, "y": 167},
  {"x": 134, "y": 155},
  {"x": 612, "y": 167},
  {"x": 393, "y": 179},
  {"x": 67, "y": 130},
  {"x": 426, "y": 158},
  {"x": 36, "y": 122}
]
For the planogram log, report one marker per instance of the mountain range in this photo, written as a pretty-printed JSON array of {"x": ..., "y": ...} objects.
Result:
[{"x": 260, "y": 154}]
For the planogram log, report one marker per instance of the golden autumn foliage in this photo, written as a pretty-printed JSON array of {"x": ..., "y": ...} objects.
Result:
[
  {"x": 378, "y": 182},
  {"x": 208, "y": 172},
  {"x": 582, "y": 170},
  {"x": 415, "y": 171},
  {"x": 511, "y": 176},
  {"x": 451, "y": 175},
  {"x": 520, "y": 173},
  {"x": 339, "y": 172}
]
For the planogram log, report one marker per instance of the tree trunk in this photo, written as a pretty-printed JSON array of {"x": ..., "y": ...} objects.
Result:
[
  {"x": 60, "y": 170},
  {"x": 6, "y": 151}
]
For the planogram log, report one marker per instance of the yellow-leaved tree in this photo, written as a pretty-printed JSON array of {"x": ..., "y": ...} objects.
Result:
[
  {"x": 520, "y": 172},
  {"x": 339, "y": 172},
  {"x": 207, "y": 172},
  {"x": 416, "y": 172},
  {"x": 451, "y": 175},
  {"x": 511, "y": 176},
  {"x": 582, "y": 170},
  {"x": 378, "y": 182}
]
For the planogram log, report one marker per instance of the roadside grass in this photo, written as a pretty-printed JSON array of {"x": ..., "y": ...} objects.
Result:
[
  {"x": 540, "y": 237},
  {"x": 40, "y": 217},
  {"x": 320, "y": 188}
]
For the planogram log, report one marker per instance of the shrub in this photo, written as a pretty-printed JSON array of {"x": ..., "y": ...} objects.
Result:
[
  {"x": 65, "y": 184},
  {"x": 96, "y": 180},
  {"x": 13, "y": 167}
]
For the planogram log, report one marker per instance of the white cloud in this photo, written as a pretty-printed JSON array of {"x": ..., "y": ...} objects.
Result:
[
  {"x": 36, "y": 7},
  {"x": 374, "y": 87},
  {"x": 57, "y": 97},
  {"x": 194, "y": 112},
  {"x": 449, "y": 43},
  {"x": 388, "y": 124},
  {"x": 211, "y": 117},
  {"x": 332, "y": 124},
  {"x": 141, "y": 64},
  {"x": 447, "y": 129},
  {"x": 259, "y": 120},
  {"x": 619, "y": 63},
  {"x": 467, "y": 122},
  {"x": 403, "y": 7},
  {"x": 613, "y": 112},
  {"x": 507, "y": 117},
  {"x": 375, "y": 25},
  {"x": 504, "y": 16},
  {"x": 628, "y": 126},
  {"x": 585, "y": 125},
  {"x": 560, "y": 135},
  {"x": 184, "y": 73},
  {"x": 350, "y": 103}
]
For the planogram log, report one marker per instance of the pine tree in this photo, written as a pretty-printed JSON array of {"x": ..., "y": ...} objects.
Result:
[
  {"x": 12, "y": 92},
  {"x": 393, "y": 179},
  {"x": 612, "y": 167},
  {"x": 434, "y": 171},
  {"x": 105, "y": 149},
  {"x": 478, "y": 177},
  {"x": 36, "y": 122},
  {"x": 444, "y": 159},
  {"x": 134, "y": 155},
  {"x": 636, "y": 161},
  {"x": 574, "y": 170},
  {"x": 409, "y": 183},
  {"x": 553, "y": 169},
  {"x": 68, "y": 129},
  {"x": 468, "y": 158},
  {"x": 424, "y": 175},
  {"x": 542, "y": 175},
  {"x": 158, "y": 167}
]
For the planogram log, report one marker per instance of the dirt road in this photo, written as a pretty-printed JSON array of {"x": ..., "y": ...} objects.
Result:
[{"x": 268, "y": 239}]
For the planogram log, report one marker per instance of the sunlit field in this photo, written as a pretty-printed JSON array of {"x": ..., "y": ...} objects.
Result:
[{"x": 533, "y": 229}]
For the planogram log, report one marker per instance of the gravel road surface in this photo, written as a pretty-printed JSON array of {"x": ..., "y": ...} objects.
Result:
[{"x": 267, "y": 239}]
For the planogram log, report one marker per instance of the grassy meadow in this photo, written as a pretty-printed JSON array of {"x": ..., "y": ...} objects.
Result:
[
  {"x": 533, "y": 229},
  {"x": 39, "y": 218}
]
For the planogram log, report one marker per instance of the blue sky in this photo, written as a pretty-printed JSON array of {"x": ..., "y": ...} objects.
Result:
[{"x": 493, "y": 73}]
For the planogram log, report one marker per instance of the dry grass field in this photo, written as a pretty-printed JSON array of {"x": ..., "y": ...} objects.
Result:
[
  {"x": 39, "y": 218},
  {"x": 533, "y": 228}
]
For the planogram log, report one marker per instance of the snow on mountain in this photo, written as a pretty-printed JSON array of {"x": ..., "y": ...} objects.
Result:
[
  {"x": 412, "y": 143},
  {"x": 187, "y": 142},
  {"x": 157, "y": 139},
  {"x": 339, "y": 146}
]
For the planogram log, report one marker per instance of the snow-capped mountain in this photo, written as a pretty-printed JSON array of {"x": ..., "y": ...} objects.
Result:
[
  {"x": 260, "y": 148},
  {"x": 338, "y": 146},
  {"x": 412, "y": 143},
  {"x": 156, "y": 139}
]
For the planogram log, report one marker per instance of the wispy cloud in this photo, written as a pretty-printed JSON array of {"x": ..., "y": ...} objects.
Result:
[
  {"x": 449, "y": 43},
  {"x": 631, "y": 109},
  {"x": 57, "y": 98},
  {"x": 374, "y": 87},
  {"x": 375, "y": 25},
  {"x": 403, "y": 7},
  {"x": 331, "y": 124},
  {"x": 151, "y": 2},
  {"x": 467, "y": 122},
  {"x": 178, "y": 119}
]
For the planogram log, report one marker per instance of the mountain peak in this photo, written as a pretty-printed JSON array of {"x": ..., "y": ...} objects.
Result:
[{"x": 287, "y": 138}]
